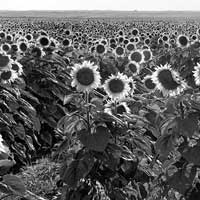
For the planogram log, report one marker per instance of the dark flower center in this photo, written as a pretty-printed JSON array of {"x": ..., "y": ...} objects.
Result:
[
  {"x": 36, "y": 52},
  {"x": 100, "y": 48},
  {"x": 85, "y": 76},
  {"x": 23, "y": 47},
  {"x": 119, "y": 51},
  {"x": 132, "y": 67},
  {"x": 5, "y": 47},
  {"x": 15, "y": 67},
  {"x": 183, "y": 41},
  {"x": 66, "y": 42},
  {"x": 6, "y": 75},
  {"x": 130, "y": 47},
  {"x": 121, "y": 109},
  {"x": 116, "y": 85},
  {"x": 166, "y": 79},
  {"x": 147, "y": 55},
  {"x": 136, "y": 56},
  {"x": 44, "y": 41},
  {"x": 4, "y": 60},
  {"x": 149, "y": 84}
]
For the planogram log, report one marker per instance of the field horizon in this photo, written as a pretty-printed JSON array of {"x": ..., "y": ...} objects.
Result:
[{"x": 99, "y": 14}]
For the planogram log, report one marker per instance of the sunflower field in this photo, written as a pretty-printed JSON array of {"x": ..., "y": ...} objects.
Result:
[{"x": 99, "y": 109}]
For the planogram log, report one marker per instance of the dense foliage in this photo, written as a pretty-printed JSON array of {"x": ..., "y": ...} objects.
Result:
[{"x": 114, "y": 104}]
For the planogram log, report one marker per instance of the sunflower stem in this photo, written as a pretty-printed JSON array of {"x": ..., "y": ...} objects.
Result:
[
  {"x": 182, "y": 110},
  {"x": 87, "y": 96}
]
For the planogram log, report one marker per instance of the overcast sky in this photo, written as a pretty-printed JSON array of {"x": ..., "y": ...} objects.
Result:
[{"x": 100, "y": 5}]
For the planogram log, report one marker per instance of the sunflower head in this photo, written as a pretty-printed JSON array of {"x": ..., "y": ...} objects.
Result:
[
  {"x": 133, "y": 67},
  {"x": 8, "y": 76},
  {"x": 37, "y": 52},
  {"x": 17, "y": 67},
  {"x": 117, "y": 86},
  {"x": 4, "y": 61},
  {"x": 148, "y": 83},
  {"x": 182, "y": 41},
  {"x": 130, "y": 47},
  {"x": 136, "y": 56},
  {"x": 116, "y": 108},
  {"x": 5, "y": 47},
  {"x": 85, "y": 77},
  {"x": 44, "y": 41},
  {"x": 100, "y": 49},
  {"x": 119, "y": 51},
  {"x": 23, "y": 46},
  {"x": 168, "y": 81},
  {"x": 147, "y": 55}
]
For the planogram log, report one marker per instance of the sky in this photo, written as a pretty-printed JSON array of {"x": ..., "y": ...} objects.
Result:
[{"x": 142, "y": 5}]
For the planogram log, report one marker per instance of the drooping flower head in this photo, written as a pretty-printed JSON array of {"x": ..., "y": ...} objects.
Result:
[
  {"x": 148, "y": 83},
  {"x": 85, "y": 76},
  {"x": 116, "y": 108},
  {"x": 168, "y": 81},
  {"x": 133, "y": 67},
  {"x": 17, "y": 67},
  {"x": 8, "y": 76}
]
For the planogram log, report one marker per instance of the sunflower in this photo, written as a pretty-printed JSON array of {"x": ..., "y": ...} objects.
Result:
[
  {"x": 196, "y": 74},
  {"x": 133, "y": 67},
  {"x": 5, "y": 47},
  {"x": 136, "y": 56},
  {"x": 2, "y": 34},
  {"x": 148, "y": 83},
  {"x": 168, "y": 81},
  {"x": 4, "y": 61},
  {"x": 119, "y": 51},
  {"x": 66, "y": 42},
  {"x": 9, "y": 38},
  {"x": 8, "y": 76},
  {"x": 85, "y": 76},
  {"x": 135, "y": 31},
  {"x": 130, "y": 46},
  {"x": 29, "y": 37},
  {"x": 100, "y": 49},
  {"x": 14, "y": 48},
  {"x": 182, "y": 41},
  {"x": 117, "y": 86},
  {"x": 37, "y": 52},
  {"x": 147, "y": 55},
  {"x": 22, "y": 46},
  {"x": 44, "y": 41},
  {"x": 116, "y": 108},
  {"x": 132, "y": 85},
  {"x": 17, "y": 67}
]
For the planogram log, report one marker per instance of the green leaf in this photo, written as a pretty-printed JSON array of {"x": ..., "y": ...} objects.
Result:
[
  {"x": 15, "y": 184},
  {"x": 77, "y": 170},
  {"x": 166, "y": 142},
  {"x": 19, "y": 131},
  {"x": 192, "y": 154},
  {"x": 189, "y": 125},
  {"x": 97, "y": 141},
  {"x": 183, "y": 179},
  {"x": 6, "y": 163}
]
